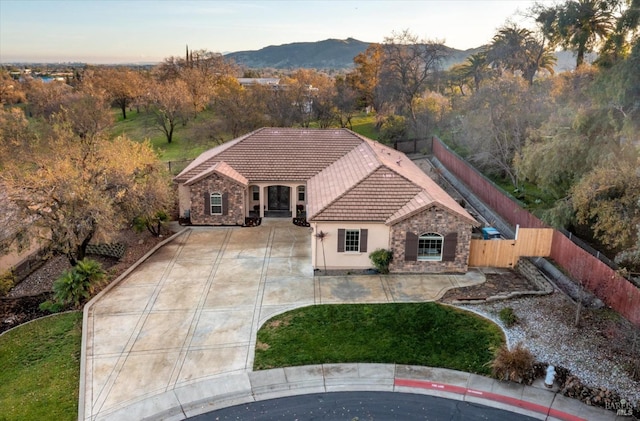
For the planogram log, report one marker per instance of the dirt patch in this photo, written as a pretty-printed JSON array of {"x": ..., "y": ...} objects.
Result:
[
  {"x": 23, "y": 300},
  {"x": 261, "y": 346},
  {"x": 497, "y": 284}
]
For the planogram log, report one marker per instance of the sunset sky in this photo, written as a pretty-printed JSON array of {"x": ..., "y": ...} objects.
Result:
[{"x": 116, "y": 31}]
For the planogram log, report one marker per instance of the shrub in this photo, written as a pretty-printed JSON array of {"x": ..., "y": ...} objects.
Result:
[
  {"x": 381, "y": 259},
  {"x": 78, "y": 283},
  {"x": 51, "y": 307},
  {"x": 7, "y": 281},
  {"x": 514, "y": 365},
  {"x": 508, "y": 317},
  {"x": 152, "y": 223}
]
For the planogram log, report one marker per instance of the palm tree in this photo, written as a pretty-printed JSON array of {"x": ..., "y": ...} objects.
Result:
[
  {"x": 476, "y": 67},
  {"x": 321, "y": 235},
  {"x": 579, "y": 24},
  {"x": 516, "y": 49},
  {"x": 539, "y": 57},
  {"x": 507, "y": 50}
]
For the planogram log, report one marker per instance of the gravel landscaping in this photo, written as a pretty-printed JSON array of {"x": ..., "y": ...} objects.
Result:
[{"x": 598, "y": 352}]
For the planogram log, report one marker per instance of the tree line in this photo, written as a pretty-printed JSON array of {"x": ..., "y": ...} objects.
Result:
[{"x": 566, "y": 143}]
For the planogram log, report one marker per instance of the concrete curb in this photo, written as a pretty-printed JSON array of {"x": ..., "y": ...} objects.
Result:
[
  {"x": 87, "y": 308},
  {"x": 213, "y": 394}
]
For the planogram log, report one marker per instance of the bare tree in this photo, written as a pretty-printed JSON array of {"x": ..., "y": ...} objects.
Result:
[
  {"x": 408, "y": 64},
  {"x": 170, "y": 103}
]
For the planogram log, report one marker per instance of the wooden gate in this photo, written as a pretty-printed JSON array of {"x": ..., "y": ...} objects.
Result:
[{"x": 531, "y": 242}]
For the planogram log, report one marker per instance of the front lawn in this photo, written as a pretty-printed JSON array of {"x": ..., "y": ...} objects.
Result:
[
  {"x": 427, "y": 334},
  {"x": 41, "y": 369}
]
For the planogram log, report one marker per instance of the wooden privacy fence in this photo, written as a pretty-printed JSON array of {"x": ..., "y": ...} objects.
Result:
[{"x": 530, "y": 242}]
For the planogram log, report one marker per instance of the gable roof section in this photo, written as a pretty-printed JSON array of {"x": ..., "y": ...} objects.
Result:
[
  {"x": 338, "y": 178},
  {"x": 390, "y": 188},
  {"x": 223, "y": 169},
  {"x": 373, "y": 199},
  {"x": 277, "y": 154}
]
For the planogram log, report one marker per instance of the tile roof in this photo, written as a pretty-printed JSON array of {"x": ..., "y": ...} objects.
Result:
[
  {"x": 390, "y": 188},
  {"x": 349, "y": 177},
  {"x": 277, "y": 154},
  {"x": 375, "y": 198},
  {"x": 221, "y": 168}
]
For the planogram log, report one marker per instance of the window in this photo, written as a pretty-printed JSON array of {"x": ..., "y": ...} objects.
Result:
[
  {"x": 256, "y": 193},
  {"x": 216, "y": 203},
  {"x": 352, "y": 240},
  {"x": 301, "y": 193},
  {"x": 430, "y": 246}
]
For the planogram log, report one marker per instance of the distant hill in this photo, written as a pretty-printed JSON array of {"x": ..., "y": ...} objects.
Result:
[
  {"x": 327, "y": 54},
  {"x": 338, "y": 55}
]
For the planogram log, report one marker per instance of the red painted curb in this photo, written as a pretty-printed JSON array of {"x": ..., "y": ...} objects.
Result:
[{"x": 460, "y": 390}]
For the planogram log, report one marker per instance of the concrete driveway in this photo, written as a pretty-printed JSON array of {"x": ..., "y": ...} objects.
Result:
[{"x": 190, "y": 312}]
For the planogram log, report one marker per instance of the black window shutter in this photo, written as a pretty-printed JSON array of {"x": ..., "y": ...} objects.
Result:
[
  {"x": 225, "y": 203},
  {"x": 363, "y": 240},
  {"x": 207, "y": 203},
  {"x": 411, "y": 247},
  {"x": 449, "y": 247},
  {"x": 341, "y": 240}
]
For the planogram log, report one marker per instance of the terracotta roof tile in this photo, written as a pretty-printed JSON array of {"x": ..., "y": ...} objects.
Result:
[
  {"x": 278, "y": 154},
  {"x": 221, "y": 168}
]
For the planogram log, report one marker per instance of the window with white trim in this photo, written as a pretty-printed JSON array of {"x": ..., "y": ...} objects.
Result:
[
  {"x": 256, "y": 192},
  {"x": 430, "y": 247},
  {"x": 352, "y": 240},
  {"x": 301, "y": 192},
  {"x": 216, "y": 203}
]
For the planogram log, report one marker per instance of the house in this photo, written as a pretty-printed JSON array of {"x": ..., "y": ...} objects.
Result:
[{"x": 360, "y": 194}]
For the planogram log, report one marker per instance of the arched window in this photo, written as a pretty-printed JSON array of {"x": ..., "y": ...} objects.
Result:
[
  {"x": 430, "y": 246},
  {"x": 216, "y": 203}
]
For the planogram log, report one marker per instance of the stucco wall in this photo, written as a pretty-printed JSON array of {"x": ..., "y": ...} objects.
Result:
[
  {"x": 377, "y": 237},
  {"x": 235, "y": 200},
  {"x": 437, "y": 221}
]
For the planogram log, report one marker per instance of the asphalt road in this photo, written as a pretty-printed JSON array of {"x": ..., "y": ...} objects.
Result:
[{"x": 361, "y": 406}]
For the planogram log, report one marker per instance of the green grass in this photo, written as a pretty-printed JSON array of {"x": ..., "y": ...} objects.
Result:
[
  {"x": 187, "y": 142},
  {"x": 365, "y": 125},
  {"x": 427, "y": 334},
  {"x": 41, "y": 369}
]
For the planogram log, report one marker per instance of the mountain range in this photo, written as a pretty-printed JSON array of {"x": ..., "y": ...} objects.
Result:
[{"x": 337, "y": 54}]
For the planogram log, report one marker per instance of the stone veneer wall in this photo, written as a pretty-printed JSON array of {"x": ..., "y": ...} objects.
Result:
[
  {"x": 212, "y": 184},
  {"x": 431, "y": 220}
]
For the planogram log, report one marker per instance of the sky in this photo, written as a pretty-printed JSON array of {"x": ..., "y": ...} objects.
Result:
[{"x": 142, "y": 31}]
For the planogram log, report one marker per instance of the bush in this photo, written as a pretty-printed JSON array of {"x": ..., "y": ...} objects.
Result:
[
  {"x": 508, "y": 317},
  {"x": 51, "y": 307},
  {"x": 381, "y": 259},
  {"x": 152, "y": 223},
  {"x": 78, "y": 283},
  {"x": 7, "y": 281},
  {"x": 514, "y": 365}
]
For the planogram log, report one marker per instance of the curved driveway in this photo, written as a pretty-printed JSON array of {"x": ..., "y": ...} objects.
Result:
[{"x": 189, "y": 313}]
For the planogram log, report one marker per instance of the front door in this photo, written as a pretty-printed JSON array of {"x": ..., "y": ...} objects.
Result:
[{"x": 279, "y": 198}]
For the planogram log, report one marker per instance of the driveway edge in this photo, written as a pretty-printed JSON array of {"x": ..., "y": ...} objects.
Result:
[{"x": 85, "y": 317}]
